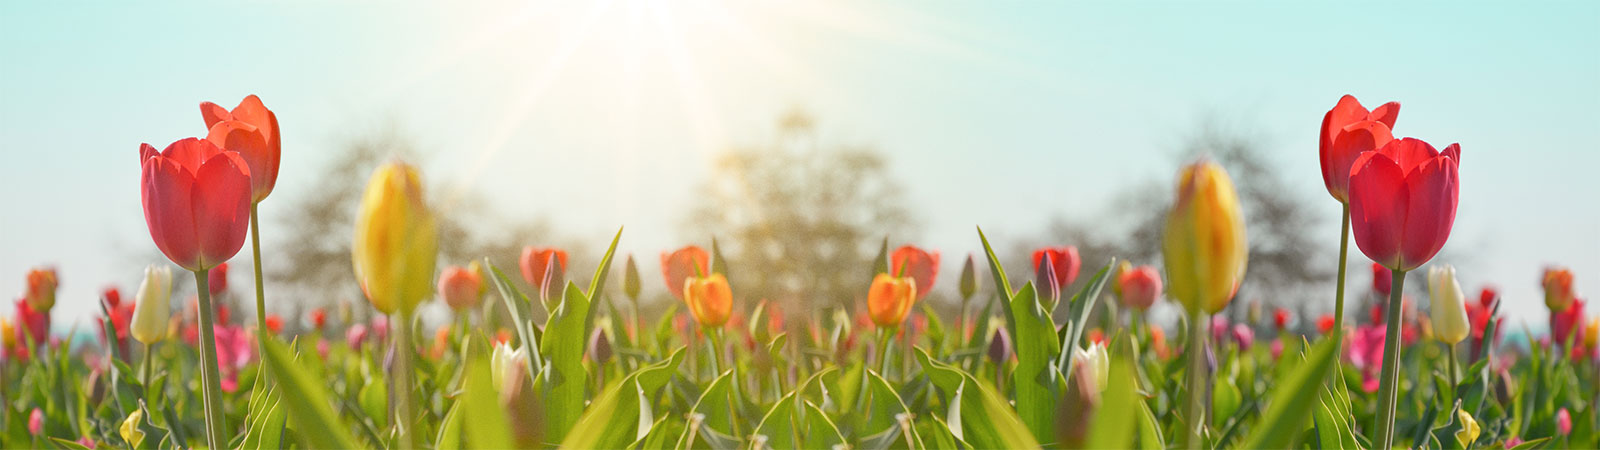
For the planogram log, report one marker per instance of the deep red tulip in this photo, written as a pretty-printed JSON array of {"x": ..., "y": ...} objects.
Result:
[
  {"x": 196, "y": 202},
  {"x": 251, "y": 130},
  {"x": 1065, "y": 260},
  {"x": 921, "y": 265},
  {"x": 1348, "y": 130},
  {"x": 1487, "y": 295},
  {"x": 682, "y": 264},
  {"x": 319, "y": 317},
  {"x": 545, "y": 268},
  {"x": 217, "y": 280},
  {"x": 1325, "y": 323},
  {"x": 274, "y": 323},
  {"x": 1563, "y": 323},
  {"x": 1403, "y": 201},
  {"x": 1382, "y": 279},
  {"x": 1280, "y": 319}
]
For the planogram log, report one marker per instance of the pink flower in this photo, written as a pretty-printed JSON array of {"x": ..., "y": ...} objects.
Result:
[
  {"x": 322, "y": 348},
  {"x": 36, "y": 422},
  {"x": 380, "y": 327},
  {"x": 356, "y": 335},
  {"x": 1513, "y": 441},
  {"x": 1244, "y": 336},
  {"x": 1219, "y": 328},
  {"x": 1365, "y": 352},
  {"x": 1563, "y": 422},
  {"x": 1277, "y": 349},
  {"x": 234, "y": 350}
]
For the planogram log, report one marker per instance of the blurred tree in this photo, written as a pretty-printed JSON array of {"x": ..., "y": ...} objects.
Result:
[
  {"x": 801, "y": 221},
  {"x": 311, "y": 262},
  {"x": 1289, "y": 263}
]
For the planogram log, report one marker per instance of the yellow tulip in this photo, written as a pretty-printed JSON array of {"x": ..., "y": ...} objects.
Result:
[
  {"x": 396, "y": 240},
  {"x": 710, "y": 299},
  {"x": 1469, "y": 428},
  {"x": 889, "y": 299},
  {"x": 1449, "y": 311},
  {"x": 1591, "y": 333},
  {"x": 8, "y": 334},
  {"x": 130, "y": 428},
  {"x": 151, "y": 309},
  {"x": 1204, "y": 243}
]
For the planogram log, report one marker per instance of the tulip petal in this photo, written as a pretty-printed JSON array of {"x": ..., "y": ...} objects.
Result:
[
  {"x": 921, "y": 265},
  {"x": 1347, "y": 111},
  {"x": 1378, "y": 199},
  {"x": 213, "y": 113},
  {"x": 1432, "y": 191},
  {"x": 252, "y": 111},
  {"x": 166, "y": 189},
  {"x": 1408, "y": 153},
  {"x": 1385, "y": 113},
  {"x": 190, "y": 153},
  {"x": 250, "y": 142},
  {"x": 691, "y": 261},
  {"x": 1352, "y": 140},
  {"x": 221, "y": 202}
]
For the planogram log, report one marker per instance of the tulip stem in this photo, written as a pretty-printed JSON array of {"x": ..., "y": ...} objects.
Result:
[
  {"x": 1344, "y": 250},
  {"x": 1450, "y": 353},
  {"x": 255, "y": 253},
  {"x": 149, "y": 349},
  {"x": 715, "y": 338},
  {"x": 884, "y": 335},
  {"x": 1388, "y": 386},
  {"x": 1197, "y": 379},
  {"x": 210, "y": 380},
  {"x": 401, "y": 388}
]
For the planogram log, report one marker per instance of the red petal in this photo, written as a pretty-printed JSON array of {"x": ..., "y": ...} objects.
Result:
[
  {"x": 248, "y": 141},
  {"x": 221, "y": 207},
  {"x": 252, "y": 111},
  {"x": 681, "y": 264},
  {"x": 1363, "y": 136},
  {"x": 923, "y": 267},
  {"x": 1346, "y": 112},
  {"x": 1378, "y": 199},
  {"x": 1433, "y": 190},
  {"x": 190, "y": 153},
  {"x": 213, "y": 113},
  {"x": 1408, "y": 153},
  {"x": 166, "y": 190},
  {"x": 1385, "y": 113}
]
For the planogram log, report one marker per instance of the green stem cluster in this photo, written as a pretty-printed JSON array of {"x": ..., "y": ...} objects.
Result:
[
  {"x": 210, "y": 379},
  {"x": 1388, "y": 387},
  {"x": 1197, "y": 379},
  {"x": 1344, "y": 250}
]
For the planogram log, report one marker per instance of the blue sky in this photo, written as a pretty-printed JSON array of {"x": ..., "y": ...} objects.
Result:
[{"x": 987, "y": 111}]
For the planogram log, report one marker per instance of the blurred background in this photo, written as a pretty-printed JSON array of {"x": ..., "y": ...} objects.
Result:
[{"x": 799, "y": 134}]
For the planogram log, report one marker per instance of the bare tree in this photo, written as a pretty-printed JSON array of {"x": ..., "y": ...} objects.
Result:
[{"x": 800, "y": 219}]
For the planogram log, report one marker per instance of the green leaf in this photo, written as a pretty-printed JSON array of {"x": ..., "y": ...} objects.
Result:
[
  {"x": 1291, "y": 398},
  {"x": 266, "y": 419},
  {"x": 1149, "y": 429},
  {"x": 521, "y": 316},
  {"x": 886, "y": 408},
  {"x": 1001, "y": 285},
  {"x": 598, "y": 283},
  {"x": 1533, "y": 444},
  {"x": 1036, "y": 348},
  {"x": 621, "y": 414},
  {"x": 1082, "y": 304},
  {"x": 778, "y": 425},
  {"x": 450, "y": 428},
  {"x": 979, "y": 416},
  {"x": 307, "y": 406},
  {"x": 716, "y": 403},
  {"x": 718, "y": 263},
  {"x": 880, "y": 265},
  {"x": 488, "y": 426},
  {"x": 1334, "y": 424},
  {"x": 1114, "y": 422},
  {"x": 565, "y": 337}
]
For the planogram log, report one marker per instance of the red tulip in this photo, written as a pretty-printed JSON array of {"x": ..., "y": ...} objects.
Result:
[
  {"x": 1563, "y": 323},
  {"x": 196, "y": 202},
  {"x": 217, "y": 280},
  {"x": 31, "y": 323},
  {"x": 1140, "y": 287},
  {"x": 319, "y": 317},
  {"x": 274, "y": 323},
  {"x": 1065, "y": 260},
  {"x": 1382, "y": 279},
  {"x": 545, "y": 268},
  {"x": 1348, "y": 130},
  {"x": 1487, "y": 295},
  {"x": 691, "y": 261},
  {"x": 1403, "y": 201},
  {"x": 1325, "y": 323},
  {"x": 1280, "y": 319},
  {"x": 462, "y": 287},
  {"x": 921, "y": 265},
  {"x": 251, "y": 130}
]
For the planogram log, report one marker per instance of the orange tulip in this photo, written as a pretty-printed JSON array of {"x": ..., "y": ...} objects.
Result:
[
  {"x": 918, "y": 264},
  {"x": 691, "y": 261},
  {"x": 890, "y": 299},
  {"x": 545, "y": 268},
  {"x": 42, "y": 289},
  {"x": 1557, "y": 288},
  {"x": 710, "y": 299},
  {"x": 251, "y": 130},
  {"x": 462, "y": 287}
]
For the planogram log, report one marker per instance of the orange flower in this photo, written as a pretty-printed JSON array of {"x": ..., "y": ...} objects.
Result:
[
  {"x": 691, "y": 261},
  {"x": 462, "y": 287},
  {"x": 918, "y": 264},
  {"x": 274, "y": 323},
  {"x": 251, "y": 130},
  {"x": 42, "y": 289},
  {"x": 1557, "y": 288},
  {"x": 545, "y": 269},
  {"x": 709, "y": 298},
  {"x": 890, "y": 298}
]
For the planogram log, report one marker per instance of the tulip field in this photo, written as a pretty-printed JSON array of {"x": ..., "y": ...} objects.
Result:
[{"x": 1066, "y": 359}]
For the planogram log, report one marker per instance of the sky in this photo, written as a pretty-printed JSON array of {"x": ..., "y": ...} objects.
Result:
[{"x": 1006, "y": 116}]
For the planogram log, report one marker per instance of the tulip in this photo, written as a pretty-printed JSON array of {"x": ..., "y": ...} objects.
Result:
[
  {"x": 1469, "y": 428},
  {"x": 395, "y": 240},
  {"x": 120, "y": 315},
  {"x": 507, "y": 364},
  {"x": 1325, "y": 323},
  {"x": 709, "y": 298},
  {"x": 42, "y": 285},
  {"x": 1449, "y": 311},
  {"x": 274, "y": 323},
  {"x": 545, "y": 269},
  {"x": 1280, "y": 319},
  {"x": 130, "y": 429},
  {"x": 1045, "y": 280},
  {"x": 218, "y": 281},
  {"x": 1382, "y": 279},
  {"x": 1204, "y": 243},
  {"x": 630, "y": 279},
  {"x": 1000, "y": 347},
  {"x": 1139, "y": 288},
  {"x": 1205, "y": 253},
  {"x": 35, "y": 422},
  {"x": 8, "y": 335},
  {"x": 1064, "y": 261},
  {"x": 462, "y": 288},
  {"x": 319, "y": 318},
  {"x": 918, "y": 264},
  {"x": 1403, "y": 201},
  {"x": 31, "y": 325},
  {"x": 969, "y": 279},
  {"x": 1563, "y": 422},
  {"x": 153, "y": 307},
  {"x": 680, "y": 265},
  {"x": 196, "y": 202},
  {"x": 251, "y": 130},
  {"x": 1564, "y": 323},
  {"x": 1347, "y": 130},
  {"x": 1097, "y": 360},
  {"x": 356, "y": 335},
  {"x": 1557, "y": 283},
  {"x": 599, "y": 347},
  {"x": 890, "y": 298},
  {"x": 1244, "y": 336},
  {"x": 1591, "y": 334}
]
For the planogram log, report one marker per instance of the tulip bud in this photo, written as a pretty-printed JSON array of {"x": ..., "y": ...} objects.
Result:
[
  {"x": 1280, "y": 319},
  {"x": 461, "y": 287},
  {"x": 1563, "y": 422},
  {"x": 545, "y": 268},
  {"x": 8, "y": 334},
  {"x": 1244, "y": 336},
  {"x": 130, "y": 429},
  {"x": 506, "y": 364},
  {"x": 153, "y": 306},
  {"x": 42, "y": 285},
  {"x": 710, "y": 299},
  {"x": 890, "y": 299},
  {"x": 1591, "y": 334},
  {"x": 1140, "y": 287},
  {"x": 1558, "y": 289},
  {"x": 1449, "y": 310},
  {"x": 1097, "y": 359},
  {"x": 630, "y": 278},
  {"x": 1000, "y": 346},
  {"x": 1123, "y": 268},
  {"x": 1469, "y": 428},
  {"x": 1044, "y": 281},
  {"x": 600, "y": 347},
  {"x": 1204, "y": 240},
  {"x": 969, "y": 279},
  {"x": 396, "y": 240},
  {"x": 36, "y": 422}
]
